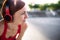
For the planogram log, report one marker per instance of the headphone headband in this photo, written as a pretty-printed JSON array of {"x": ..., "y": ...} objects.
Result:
[{"x": 6, "y": 15}]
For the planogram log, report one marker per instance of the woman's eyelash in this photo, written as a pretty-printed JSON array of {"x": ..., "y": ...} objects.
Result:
[{"x": 22, "y": 13}]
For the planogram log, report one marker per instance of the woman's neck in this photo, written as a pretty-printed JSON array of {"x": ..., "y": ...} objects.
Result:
[{"x": 12, "y": 25}]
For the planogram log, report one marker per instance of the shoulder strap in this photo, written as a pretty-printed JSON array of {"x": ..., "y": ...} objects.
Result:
[
  {"x": 19, "y": 28},
  {"x": 5, "y": 28},
  {"x": 18, "y": 31}
]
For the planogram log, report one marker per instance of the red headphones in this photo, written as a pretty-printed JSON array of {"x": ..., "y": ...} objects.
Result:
[{"x": 8, "y": 16}]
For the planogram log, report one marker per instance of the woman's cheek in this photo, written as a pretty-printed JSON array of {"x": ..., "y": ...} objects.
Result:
[
  {"x": 22, "y": 18},
  {"x": 24, "y": 26}
]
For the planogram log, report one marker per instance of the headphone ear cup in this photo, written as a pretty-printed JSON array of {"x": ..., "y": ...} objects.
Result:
[{"x": 7, "y": 18}]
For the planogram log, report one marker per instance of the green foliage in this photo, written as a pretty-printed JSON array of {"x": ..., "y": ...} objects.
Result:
[
  {"x": 31, "y": 6},
  {"x": 43, "y": 7},
  {"x": 55, "y": 6},
  {"x": 58, "y": 2},
  {"x": 36, "y": 6},
  {"x": 1, "y": 3}
]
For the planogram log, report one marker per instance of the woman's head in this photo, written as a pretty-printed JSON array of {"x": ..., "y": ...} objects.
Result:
[
  {"x": 21, "y": 15},
  {"x": 12, "y": 8}
]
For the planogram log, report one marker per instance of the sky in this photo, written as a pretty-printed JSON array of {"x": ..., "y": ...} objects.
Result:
[{"x": 40, "y": 1}]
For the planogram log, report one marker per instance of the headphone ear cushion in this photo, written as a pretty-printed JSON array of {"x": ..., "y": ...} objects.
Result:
[{"x": 7, "y": 18}]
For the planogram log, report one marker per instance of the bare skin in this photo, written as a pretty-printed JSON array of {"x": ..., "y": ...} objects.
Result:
[{"x": 19, "y": 18}]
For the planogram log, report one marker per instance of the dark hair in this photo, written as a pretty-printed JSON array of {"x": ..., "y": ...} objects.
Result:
[{"x": 12, "y": 7}]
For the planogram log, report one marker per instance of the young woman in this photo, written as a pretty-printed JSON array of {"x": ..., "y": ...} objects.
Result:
[{"x": 13, "y": 26}]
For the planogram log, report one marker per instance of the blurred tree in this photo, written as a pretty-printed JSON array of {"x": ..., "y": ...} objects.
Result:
[
  {"x": 31, "y": 6},
  {"x": 52, "y": 6},
  {"x": 43, "y": 7},
  {"x": 58, "y": 2},
  {"x": 36, "y": 6},
  {"x": 1, "y": 3},
  {"x": 55, "y": 6}
]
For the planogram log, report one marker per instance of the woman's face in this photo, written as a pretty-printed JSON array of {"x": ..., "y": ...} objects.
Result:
[{"x": 20, "y": 16}]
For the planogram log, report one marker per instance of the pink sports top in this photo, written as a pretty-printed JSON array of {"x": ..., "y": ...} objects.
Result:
[{"x": 3, "y": 36}]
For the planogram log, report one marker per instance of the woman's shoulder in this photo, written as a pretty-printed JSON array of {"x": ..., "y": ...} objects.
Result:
[
  {"x": 1, "y": 22},
  {"x": 1, "y": 27}
]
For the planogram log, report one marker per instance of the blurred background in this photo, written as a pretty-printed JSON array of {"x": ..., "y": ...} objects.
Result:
[{"x": 43, "y": 21}]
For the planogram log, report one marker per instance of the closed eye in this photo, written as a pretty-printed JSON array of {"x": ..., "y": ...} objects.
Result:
[{"x": 23, "y": 13}]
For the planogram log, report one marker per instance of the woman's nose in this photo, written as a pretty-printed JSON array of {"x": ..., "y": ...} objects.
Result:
[{"x": 26, "y": 16}]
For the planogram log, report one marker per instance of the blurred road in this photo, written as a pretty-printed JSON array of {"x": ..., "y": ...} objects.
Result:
[{"x": 41, "y": 28}]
